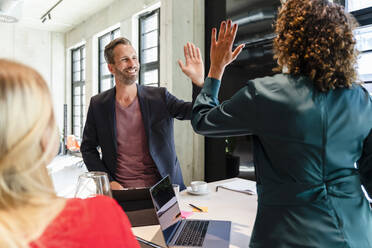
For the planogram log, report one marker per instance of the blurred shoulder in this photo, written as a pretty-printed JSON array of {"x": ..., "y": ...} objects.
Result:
[
  {"x": 278, "y": 79},
  {"x": 104, "y": 96},
  {"x": 152, "y": 89},
  {"x": 280, "y": 83},
  {"x": 93, "y": 202}
]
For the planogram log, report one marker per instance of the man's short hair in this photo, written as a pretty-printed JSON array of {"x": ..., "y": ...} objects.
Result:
[{"x": 109, "y": 48}]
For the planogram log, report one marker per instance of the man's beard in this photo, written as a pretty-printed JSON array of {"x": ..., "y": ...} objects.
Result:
[{"x": 125, "y": 78}]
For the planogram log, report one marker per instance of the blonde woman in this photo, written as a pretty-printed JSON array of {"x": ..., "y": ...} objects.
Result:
[{"x": 31, "y": 215}]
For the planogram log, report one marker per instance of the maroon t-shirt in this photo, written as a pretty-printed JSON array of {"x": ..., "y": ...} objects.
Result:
[{"x": 135, "y": 167}]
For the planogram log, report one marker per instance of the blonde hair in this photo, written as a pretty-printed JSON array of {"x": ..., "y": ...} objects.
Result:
[{"x": 26, "y": 190}]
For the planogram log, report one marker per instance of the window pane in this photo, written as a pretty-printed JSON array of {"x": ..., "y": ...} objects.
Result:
[
  {"x": 149, "y": 48},
  {"x": 76, "y": 55},
  {"x": 77, "y": 100},
  {"x": 364, "y": 66},
  {"x": 83, "y": 64},
  {"x": 363, "y": 36},
  {"x": 76, "y": 66},
  {"x": 76, "y": 76},
  {"x": 104, "y": 40},
  {"x": 105, "y": 84},
  {"x": 77, "y": 131},
  {"x": 116, "y": 33},
  {"x": 77, "y": 120},
  {"x": 104, "y": 73},
  {"x": 150, "y": 23},
  {"x": 358, "y": 4},
  {"x": 150, "y": 55},
  {"x": 83, "y": 75},
  {"x": 104, "y": 70},
  {"x": 150, "y": 77},
  {"x": 76, "y": 90},
  {"x": 150, "y": 39},
  {"x": 101, "y": 57},
  {"x": 368, "y": 87},
  {"x": 76, "y": 110}
]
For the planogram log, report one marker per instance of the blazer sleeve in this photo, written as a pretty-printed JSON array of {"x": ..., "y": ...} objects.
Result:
[
  {"x": 365, "y": 165},
  {"x": 178, "y": 109},
  {"x": 89, "y": 144},
  {"x": 236, "y": 116}
]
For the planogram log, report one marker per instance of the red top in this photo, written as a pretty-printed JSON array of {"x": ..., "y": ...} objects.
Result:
[{"x": 92, "y": 222}]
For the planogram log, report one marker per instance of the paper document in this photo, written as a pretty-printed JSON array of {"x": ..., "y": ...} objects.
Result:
[{"x": 240, "y": 185}]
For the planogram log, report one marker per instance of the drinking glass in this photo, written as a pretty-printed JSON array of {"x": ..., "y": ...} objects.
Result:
[{"x": 93, "y": 183}]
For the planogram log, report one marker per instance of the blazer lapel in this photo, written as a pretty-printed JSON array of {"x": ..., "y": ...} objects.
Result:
[
  {"x": 110, "y": 107},
  {"x": 144, "y": 109}
]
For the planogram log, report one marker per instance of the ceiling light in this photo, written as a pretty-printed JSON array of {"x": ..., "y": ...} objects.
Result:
[
  {"x": 47, "y": 15},
  {"x": 10, "y": 10}
]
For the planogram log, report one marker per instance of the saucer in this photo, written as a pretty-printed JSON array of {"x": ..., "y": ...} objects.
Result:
[{"x": 190, "y": 191}]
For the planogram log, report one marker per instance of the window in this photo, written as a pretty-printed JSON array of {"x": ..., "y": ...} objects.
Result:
[
  {"x": 149, "y": 48},
  {"x": 363, "y": 36},
  {"x": 78, "y": 90},
  {"x": 352, "y": 5},
  {"x": 362, "y": 11},
  {"x": 106, "y": 79}
]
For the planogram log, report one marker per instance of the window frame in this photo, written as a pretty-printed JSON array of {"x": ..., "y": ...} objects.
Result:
[
  {"x": 108, "y": 76},
  {"x": 78, "y": 84},
  {"x": 151, "y": 65},
  {"x": 364, "y": 18}
]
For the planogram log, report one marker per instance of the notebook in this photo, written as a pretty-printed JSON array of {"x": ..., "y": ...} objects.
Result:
[{"x": 178, "y": 232}]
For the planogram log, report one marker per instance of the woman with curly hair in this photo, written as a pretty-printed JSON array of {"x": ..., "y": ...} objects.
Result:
[
  {"x": 311, "y": 127},
  {"x": 31, "y": 215}
]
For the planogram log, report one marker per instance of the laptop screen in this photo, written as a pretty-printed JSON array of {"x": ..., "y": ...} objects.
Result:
[{"x": 166, "y": 206}]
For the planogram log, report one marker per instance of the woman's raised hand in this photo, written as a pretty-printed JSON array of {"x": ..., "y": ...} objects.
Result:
[{"x": 221, "y": 49}]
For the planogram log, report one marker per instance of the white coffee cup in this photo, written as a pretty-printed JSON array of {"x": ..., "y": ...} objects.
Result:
[
  {"x": 91, "y": 184},
  {"x": 199, "y": 186}
]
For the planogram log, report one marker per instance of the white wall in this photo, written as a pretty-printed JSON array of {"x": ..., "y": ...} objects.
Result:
[
  {"x": 181, "y": 21},
  {"x": 42, "y": 50}
]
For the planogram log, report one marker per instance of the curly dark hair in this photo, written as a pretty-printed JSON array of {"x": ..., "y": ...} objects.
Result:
[{"x": 315, "y": 38}]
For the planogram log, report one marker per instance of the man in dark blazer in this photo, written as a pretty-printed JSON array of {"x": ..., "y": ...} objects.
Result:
[{"x": 133, "y": 124}]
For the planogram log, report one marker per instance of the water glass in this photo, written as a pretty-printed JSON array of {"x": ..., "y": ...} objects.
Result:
[{"x": 93, "y": 183}]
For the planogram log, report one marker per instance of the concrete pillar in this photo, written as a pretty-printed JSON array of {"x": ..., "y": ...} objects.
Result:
[{"x": 182, "y": 22}]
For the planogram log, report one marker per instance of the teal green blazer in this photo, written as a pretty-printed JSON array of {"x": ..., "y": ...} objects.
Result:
[{"x": 312, "y": 152}]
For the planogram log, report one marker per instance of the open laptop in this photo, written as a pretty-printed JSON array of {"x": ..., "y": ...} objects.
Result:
[
  {"x": 178, "y": 232},
  {"x": 137, "y": 204}
]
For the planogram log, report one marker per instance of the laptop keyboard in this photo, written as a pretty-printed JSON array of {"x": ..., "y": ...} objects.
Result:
[{"x": 193, "y": 233}]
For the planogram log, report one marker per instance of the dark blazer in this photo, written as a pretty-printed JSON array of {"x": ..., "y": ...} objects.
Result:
[{"x": 158, "y": 108}]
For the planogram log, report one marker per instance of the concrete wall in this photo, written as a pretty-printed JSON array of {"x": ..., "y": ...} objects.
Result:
[
  {"x": 181, "y": 21},
  {"x": 178, "y": 27},
  {"x": 41, "y": 50}
]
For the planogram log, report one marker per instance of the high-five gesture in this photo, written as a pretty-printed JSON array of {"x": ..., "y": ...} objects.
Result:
[
  {"x": 194, "y": 67},
  {"x": 221, "y": 49}
]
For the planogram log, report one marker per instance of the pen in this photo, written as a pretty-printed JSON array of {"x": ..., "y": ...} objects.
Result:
[{"x": 201, "y": 210}]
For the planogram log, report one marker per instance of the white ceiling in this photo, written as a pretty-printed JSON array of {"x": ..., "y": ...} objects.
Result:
[{"x": 64, "y": 16}]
